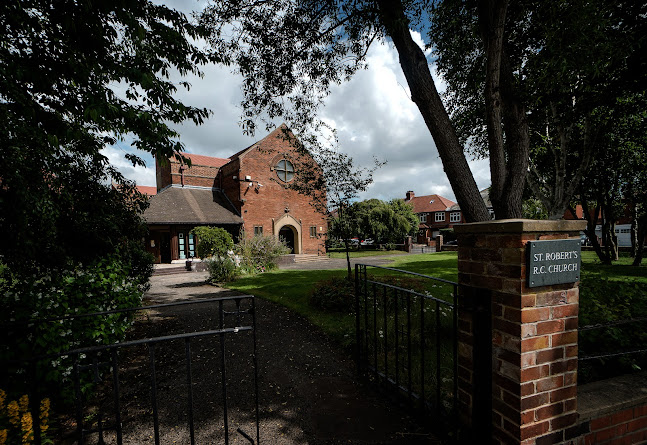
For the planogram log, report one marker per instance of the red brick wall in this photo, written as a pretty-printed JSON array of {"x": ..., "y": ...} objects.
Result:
[
  {"x": 162, "y": 175},
  {"x": 198, "y": 175},
  {"x": 229, "y": 182},
  {"x": 273, "y": 200},
  {"x": 534, "y": 332},
  {"x": 624, "y": 427}
]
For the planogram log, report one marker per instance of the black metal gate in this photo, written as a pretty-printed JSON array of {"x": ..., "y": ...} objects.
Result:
[
  {"x": 407, "y": 339},
  {"x": 95, "y": 375}
]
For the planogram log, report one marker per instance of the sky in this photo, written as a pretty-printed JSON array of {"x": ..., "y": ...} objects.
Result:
[{"x": 373, "y": 114}]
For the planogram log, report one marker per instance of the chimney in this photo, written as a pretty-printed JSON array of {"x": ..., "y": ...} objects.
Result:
[{"x": 410, "y": 195}]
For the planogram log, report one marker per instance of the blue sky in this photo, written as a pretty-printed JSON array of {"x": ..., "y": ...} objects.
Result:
[{"x": 373, "y": 115}]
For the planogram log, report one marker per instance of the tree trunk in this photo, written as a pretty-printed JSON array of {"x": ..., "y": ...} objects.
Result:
[
  {"x": 640, "y": 248},
  {"x": 509, "y": 153},
  {"x": 591, "y": 223},
  {"x": 634, "y": 230},
  {"x": 424, "y": 94}
]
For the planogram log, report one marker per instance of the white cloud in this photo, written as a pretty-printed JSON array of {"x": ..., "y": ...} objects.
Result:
[{"x": 373, "y": 114}]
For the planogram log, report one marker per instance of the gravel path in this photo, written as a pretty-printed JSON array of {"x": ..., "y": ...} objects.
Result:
[{"x": 308, "y": 393}]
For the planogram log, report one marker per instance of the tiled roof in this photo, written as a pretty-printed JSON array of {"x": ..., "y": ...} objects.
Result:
[
  {"x": 147, "y": 190},
  {"x": 485, "y": 194},
  {"x": 208, "y": 161},
  {"x": 186, "y": 205},
  {"x": 430, "y": 203}
]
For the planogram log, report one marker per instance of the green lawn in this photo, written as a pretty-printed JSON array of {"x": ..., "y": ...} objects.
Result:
[
  {"x": 364, "y": 253},
  {"x": 291, "y": 288},
  {"x": 620, "y": 270}
]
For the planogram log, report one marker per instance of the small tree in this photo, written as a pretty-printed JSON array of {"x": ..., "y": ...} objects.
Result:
[
  {"x": 213, "y": 241},
  {"x": 333, "y": 183},
  {"x": 385, "y": 222}
]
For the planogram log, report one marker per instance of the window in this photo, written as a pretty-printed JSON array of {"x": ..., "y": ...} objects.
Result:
[
  {"x": 181, "y": 245},
  {"x": 191, "y": 245},
  {"x": 440, "y": 216},
  {"x": 258, "y": 230},
  {"x": 423, "y": 217},
  {"x": 455, "y": 217},
  {"x": 313, "y": 231},
  {"x": 285, "y": 170}
]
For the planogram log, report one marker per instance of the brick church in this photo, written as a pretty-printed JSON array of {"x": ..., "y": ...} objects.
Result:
[{"x": 246, "y": 194}]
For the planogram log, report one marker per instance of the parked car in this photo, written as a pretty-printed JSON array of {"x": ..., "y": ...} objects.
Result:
[
  {"x": 353, "y": 241},
  {"x": 584, "y": 240},
  {"x": 451, "y": 243},
  {"x": 368, "y": 242}
]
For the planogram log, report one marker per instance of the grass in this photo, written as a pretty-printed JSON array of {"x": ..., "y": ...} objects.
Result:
[
  {"x": 620, "y": 270},
  {"x": 364, "y": 253},
  {"x": 291, "y": 288}
]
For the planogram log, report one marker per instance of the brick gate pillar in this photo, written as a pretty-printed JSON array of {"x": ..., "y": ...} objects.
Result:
[{"x": 533, "y": 350}]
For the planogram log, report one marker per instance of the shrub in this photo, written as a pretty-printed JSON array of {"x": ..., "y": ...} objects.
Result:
[
  {"x": 260, "y": 253},
  {"x": 448, "y": 235},
  {"x": 213, "y": 241},
  {"x": 602, "y": 302},
  {"x": 334, "y": 295},
  {"x": 73, "y": 290},
  {"x": 221, "y": 269}
]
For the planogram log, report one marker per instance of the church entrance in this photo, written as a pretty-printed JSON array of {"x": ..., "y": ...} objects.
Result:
[{"x": 287, "y": 234}]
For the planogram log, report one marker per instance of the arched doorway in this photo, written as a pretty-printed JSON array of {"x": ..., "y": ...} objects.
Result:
[{"x": 287, "y": 234}]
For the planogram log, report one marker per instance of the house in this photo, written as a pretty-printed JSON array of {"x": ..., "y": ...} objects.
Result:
[
  {"x": 247, "y": 194},
  {"x": 622, "y": 226},
  {"x": 434, "y": 213}
]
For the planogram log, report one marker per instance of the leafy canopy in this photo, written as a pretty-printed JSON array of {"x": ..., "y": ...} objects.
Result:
[{"x": 74, "y": 77}]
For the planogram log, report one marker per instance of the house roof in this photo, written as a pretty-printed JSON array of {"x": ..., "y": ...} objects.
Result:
[
  {"x": 485, "y": 195},
  {"x": 208, "y": 161},
  {"x": 187, "y": 205},
  {"x": 147, "y": 190},
  {"x": 430, "y": 203}
]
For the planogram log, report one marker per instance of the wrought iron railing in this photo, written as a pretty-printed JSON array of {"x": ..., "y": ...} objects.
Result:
[
  {"x": 99, "y": 367},
  {"x": 406, "y": 339},
  {"x": 628, "y": 326}
]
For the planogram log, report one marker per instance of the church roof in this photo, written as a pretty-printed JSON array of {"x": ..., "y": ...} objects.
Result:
[
  {"x": 208, "y": 161},
  {"x": 188, "y": 205},
  {"x": 147, "y": 190}
]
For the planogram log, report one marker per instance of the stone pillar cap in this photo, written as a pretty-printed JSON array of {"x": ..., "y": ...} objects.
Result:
[{"x": 521, "y": 226}]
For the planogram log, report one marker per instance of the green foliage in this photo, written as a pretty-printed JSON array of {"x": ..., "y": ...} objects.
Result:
[
  {"x": 384, "y": 222},
  {"x": 41, "y": 293},
  {"x": 448, "y": 235},
  {"x": 74, "y": 78},
  {"x": 604, "y": 301},
  {"x": 260, "y": 253},
  {"x": 221, "y": 270},
  {"x": 334, "y": 295},
  {"x": 213, "y": 241},
  {"x": 62, "y": 65},
  {"x": 533, "y": 209}
]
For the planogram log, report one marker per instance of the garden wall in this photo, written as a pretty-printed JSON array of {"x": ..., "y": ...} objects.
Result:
[{"x": 611, "y": 412}]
